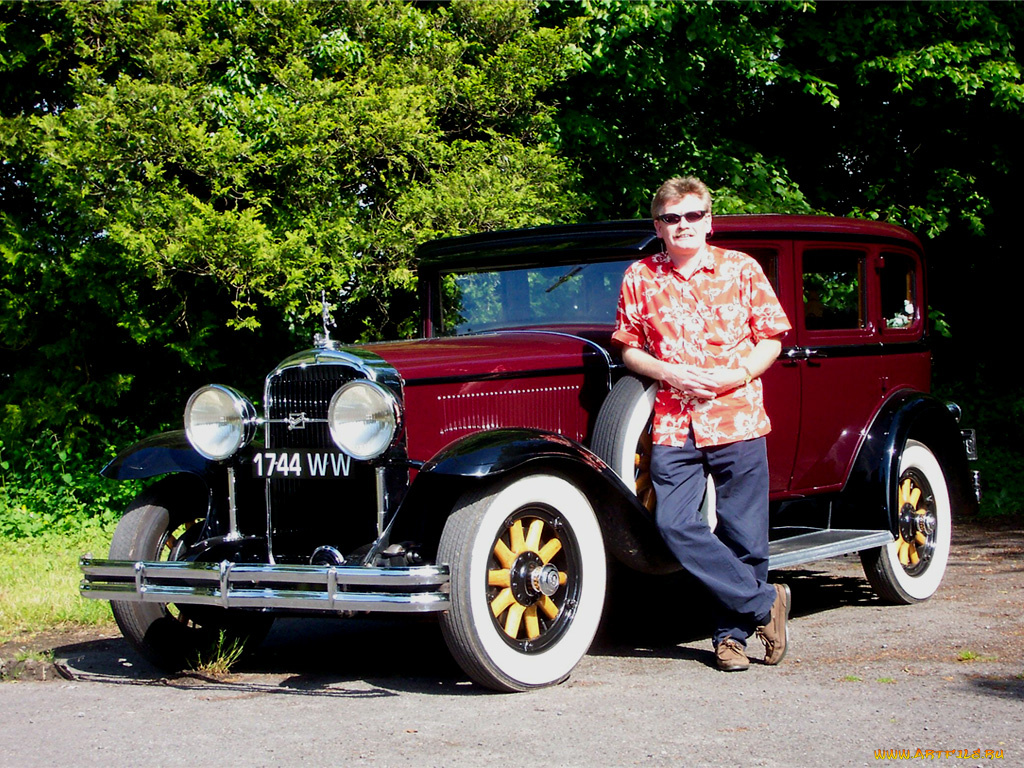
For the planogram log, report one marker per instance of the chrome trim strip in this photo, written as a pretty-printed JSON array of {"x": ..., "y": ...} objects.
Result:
[
  {"x": 372, "y": 366},
  {"x": 233, "y": 534},
  {"x": 463, "y": 378},
  {"x": 382, "y": 500},
  {"x": 225, "y": 576},
  {"x": 422, "y": 602},
  {"x": 244, "y": 585}
]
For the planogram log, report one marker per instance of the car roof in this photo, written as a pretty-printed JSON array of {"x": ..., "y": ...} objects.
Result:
[{"x": 637, "y": 236}]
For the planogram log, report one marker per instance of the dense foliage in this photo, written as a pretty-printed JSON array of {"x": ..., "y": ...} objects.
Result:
[
  {"x": 184, "y": 179},
  {"x": 180, "y": 181}
]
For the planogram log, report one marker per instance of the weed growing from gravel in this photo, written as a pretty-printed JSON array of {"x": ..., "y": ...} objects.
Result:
[
  {"x": 27, "y": 655},
  {"x": 220, "y": 658},
  {"x": 972, "y": 656}
]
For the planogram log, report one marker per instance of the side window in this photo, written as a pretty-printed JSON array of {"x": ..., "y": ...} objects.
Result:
[
  {"x": 833, "y": 289},
  {"x": 898, "y": 278},
  {"x": 768, "y": 258},
  {"x": 765, "y": 255}
]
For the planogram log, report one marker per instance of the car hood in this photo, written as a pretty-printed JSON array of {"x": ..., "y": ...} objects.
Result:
[{"x": 486, "y": 355}]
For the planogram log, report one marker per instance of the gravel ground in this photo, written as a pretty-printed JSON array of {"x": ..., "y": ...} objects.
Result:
[{"x": 940, "y": 679}]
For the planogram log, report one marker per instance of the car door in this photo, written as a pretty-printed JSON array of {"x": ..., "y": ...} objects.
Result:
[
  {"x": 781, "y": 382},
  {"x": 859, "y": 328}
]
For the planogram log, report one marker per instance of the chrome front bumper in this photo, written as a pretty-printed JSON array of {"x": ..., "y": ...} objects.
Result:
[{"x": 293, "y": 587}]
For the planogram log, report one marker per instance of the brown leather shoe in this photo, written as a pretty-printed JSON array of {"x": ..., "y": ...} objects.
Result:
[
  {"x": 775, "y": 634},
  {"x": 731, "y": 656}
]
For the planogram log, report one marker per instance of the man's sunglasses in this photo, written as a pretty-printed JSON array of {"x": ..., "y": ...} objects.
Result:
[{"x": 692, "y": 217}]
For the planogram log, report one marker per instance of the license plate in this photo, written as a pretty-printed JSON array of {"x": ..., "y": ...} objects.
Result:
[
  {"x": 300, "y": 464},
  {"x": 970, "y": 443}
]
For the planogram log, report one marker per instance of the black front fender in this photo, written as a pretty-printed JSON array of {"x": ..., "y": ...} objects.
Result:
[
  {"x": 628, "y": 528},
  {"x": 503, "y": 450},
  {"x": 163, "y": 454}
]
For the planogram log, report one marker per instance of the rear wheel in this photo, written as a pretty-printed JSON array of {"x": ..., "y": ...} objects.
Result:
[
  {"x": 909, "y": 569},
  {"x": 527, "y": 581},
  {"x": 160, "y": 524}
]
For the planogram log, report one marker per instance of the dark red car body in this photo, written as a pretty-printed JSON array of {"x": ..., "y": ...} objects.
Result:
[{"x": 515, "y": 387}]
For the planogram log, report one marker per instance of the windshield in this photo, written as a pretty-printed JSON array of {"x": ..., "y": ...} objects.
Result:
[{"x": 565, "y": 294}]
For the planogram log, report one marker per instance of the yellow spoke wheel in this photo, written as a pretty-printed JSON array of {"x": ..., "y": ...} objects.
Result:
[
  {"x": 917, "y": 521},
  {"x": 910, "y": 568},
  {"x": 527, "y": 580},
  {"x": 642, "y": 469},
  {"x": 524, "y": 579}
]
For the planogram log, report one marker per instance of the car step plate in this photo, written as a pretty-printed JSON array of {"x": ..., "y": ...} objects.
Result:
[{"x": 821, "y": 545}]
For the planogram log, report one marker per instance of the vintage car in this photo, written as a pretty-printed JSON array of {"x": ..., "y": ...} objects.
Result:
[{"x": 485, "y": 471}]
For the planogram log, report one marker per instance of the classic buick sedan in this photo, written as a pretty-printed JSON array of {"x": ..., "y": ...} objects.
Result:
[{"x": 484, "y": 471}]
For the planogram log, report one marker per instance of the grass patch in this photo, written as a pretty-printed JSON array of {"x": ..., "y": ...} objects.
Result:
[
  {"x": 41, "y": 656},
  {"x": 972, "y": 656},
  {"x": 886, "y": 680},
  {"x": 221, "y": 658},
  {"x": 850, "y": 679},
  {"x": 39, "y": 579}
]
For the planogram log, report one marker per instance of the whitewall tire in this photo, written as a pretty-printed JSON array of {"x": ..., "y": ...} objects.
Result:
[
  {"x": 909, "y": 569},
  {"x": 528, "y": 574}
]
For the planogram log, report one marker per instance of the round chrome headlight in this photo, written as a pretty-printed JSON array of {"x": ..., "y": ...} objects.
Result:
[
  {"x": 219, "y": 421},
  {"x": 363, "y": 418}
]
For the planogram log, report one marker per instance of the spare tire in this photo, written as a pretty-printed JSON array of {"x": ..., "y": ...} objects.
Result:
[{"x": 623, "y": 439}]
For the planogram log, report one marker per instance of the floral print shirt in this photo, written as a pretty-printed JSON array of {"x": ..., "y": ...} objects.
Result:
[{"x": 712, "y": 319}]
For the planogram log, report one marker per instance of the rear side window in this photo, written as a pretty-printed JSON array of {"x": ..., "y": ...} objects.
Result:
[{"x": 899, "y": 291}]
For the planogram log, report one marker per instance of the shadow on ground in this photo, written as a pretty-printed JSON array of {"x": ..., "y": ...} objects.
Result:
[
  {"x": 644, "y": 617},
  {"x": 653, "y": 615},
  {"x": 299, "y": 656}
]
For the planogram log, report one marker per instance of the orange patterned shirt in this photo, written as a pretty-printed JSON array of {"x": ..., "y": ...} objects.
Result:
[{"x": 713, "y": 319}]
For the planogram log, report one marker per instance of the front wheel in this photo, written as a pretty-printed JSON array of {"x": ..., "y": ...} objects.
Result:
[
  {"x": 528, "y": 576},
  {"x": 909, "y": 569},
  {"x": 160, "y": 524}
]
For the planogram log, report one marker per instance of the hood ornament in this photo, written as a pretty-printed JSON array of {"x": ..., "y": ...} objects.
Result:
[{"x": 324, "y": 340}]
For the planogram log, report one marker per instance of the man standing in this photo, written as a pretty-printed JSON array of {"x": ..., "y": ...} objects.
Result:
[{"x": 705, "y": 323}]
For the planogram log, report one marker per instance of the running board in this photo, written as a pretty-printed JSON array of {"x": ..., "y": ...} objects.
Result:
[{"x": 821, "y": 545}]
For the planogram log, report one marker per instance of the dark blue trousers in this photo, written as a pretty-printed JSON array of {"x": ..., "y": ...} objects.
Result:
[{"x": 732, "y": 562}]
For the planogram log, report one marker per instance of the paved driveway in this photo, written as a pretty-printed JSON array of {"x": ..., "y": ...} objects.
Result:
[{"x": 946, "y": 676}]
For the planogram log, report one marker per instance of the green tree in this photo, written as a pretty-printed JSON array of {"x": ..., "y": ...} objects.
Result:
[
  {"x": 678, "y": 87},
  {"x": 182, "y": 180},
  {"x": 904, "y": 112}
]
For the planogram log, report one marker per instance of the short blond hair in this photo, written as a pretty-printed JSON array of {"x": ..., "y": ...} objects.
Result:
[{"x": 676, "y": 189}]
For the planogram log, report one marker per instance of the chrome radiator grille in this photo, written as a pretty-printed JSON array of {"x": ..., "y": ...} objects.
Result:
[
  {"x": 306, "y": 514},
  {"x": 304, "y": 391}
]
